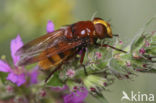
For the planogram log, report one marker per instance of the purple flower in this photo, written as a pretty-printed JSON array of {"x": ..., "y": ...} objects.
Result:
[
  {"x": 142, "y": 51},
  {"x": 4, "y": 67},
  {"x": 50, "y": 26},
  {"x": 18, "y": 78},
  {"x": 14, "y": 46},
  {"x": 76, "y": 97},
  {"x": 16, "y": 74},
  {"x": 33, "y": 75},
  {"x": 70, "y": 73}
]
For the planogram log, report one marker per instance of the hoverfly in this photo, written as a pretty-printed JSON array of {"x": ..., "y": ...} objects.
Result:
[{"x": 55, "y": 48}]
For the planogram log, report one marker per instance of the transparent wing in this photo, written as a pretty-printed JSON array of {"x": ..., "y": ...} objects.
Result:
[{"x": 45, "y": 46}]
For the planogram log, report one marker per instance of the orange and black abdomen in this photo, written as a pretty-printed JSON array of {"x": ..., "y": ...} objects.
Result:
[{"x": 54, "y": 60}]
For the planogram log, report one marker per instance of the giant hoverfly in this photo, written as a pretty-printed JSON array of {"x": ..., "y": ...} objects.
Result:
[{"x": 55, "y": 48}]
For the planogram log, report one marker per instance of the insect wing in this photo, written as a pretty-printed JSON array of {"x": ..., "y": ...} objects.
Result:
[
  {"x": 45, "y": 46},
  {"x": 39, "y": 44}
]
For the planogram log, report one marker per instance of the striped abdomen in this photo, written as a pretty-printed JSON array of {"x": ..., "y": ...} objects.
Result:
[{"x": 54, "y": 60}]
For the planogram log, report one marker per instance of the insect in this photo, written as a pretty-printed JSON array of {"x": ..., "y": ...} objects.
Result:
[{"x": 55, "y": 48}]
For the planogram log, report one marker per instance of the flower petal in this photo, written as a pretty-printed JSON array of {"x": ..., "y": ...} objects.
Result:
[
  {"x": 12, "y": 77},
  {"x": 70, "y": 73},
  {"x": 76, "y": 97},
  {"x": 21, "y": 79},
  {"x": 18, "y": 79},
  {"x": 33, "y": 75},
  {"x": 50, "y": 26},
  {"x": 14, "y": 46},
  {"x": 4, "y": 67}
]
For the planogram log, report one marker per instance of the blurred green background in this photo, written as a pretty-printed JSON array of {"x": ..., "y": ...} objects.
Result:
[{"x": 29, "y": 17}]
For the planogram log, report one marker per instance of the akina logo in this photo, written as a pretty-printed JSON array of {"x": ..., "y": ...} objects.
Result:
[{"x": 137, "y": 97}]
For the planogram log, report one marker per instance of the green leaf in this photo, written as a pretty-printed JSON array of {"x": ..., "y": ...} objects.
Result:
[
  {"x": 55, "y": 81},
  {"x": 3, "y": 77},
  {"x": 126, "y": 57},
  {"x": 94, "y": 81},
  {"x": 117, "y": 65},
  {"x": 102, "y": 65},
  {"x": 151, "y": 50},
  {"x": 137, "y": 44},
  {"x": 137, "y": 40},
  {"x": 71, "y": 84}
]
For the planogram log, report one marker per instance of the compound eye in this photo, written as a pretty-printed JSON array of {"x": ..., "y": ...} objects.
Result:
[{"x": 101, "y": 30}]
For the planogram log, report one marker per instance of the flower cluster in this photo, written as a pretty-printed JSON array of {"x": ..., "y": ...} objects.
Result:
[{"x": 140, "y": 56}]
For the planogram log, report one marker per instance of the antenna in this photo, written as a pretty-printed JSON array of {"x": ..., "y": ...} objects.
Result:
[{"x": 93, "y": 15}]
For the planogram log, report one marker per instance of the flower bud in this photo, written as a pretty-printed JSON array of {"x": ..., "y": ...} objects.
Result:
[
  {"x": 70, "y": 73},
  {"x": 93, "y": 81},
  {"x": 9, "y": 88},
  {"x": 142, "y": 51},
  {"x": 42, "y": 93}
]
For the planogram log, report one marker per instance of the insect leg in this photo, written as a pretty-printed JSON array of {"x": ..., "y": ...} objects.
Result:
[
  {"x": 81, "y": 60},
  {"x": 106, "y": 45},
  {"x": 82, "y": 55}
]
